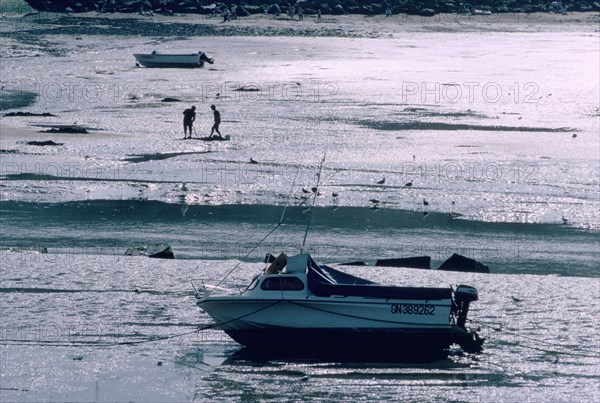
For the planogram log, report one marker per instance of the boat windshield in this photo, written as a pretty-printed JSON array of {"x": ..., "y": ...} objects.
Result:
[
  {"x": 253, "y": 284},
  {"x": 285, "y": 283}
]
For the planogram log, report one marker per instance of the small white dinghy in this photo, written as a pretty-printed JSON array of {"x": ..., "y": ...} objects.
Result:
[{"x": 190, "y": 60}]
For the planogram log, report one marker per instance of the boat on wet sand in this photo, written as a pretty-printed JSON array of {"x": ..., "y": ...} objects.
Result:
[
  {"x": 300, "y": 307},
  {"x": 190, "y": 60}
]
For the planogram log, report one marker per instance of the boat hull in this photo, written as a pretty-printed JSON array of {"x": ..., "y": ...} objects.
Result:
[
  {"x": 375, "y": 343},
  {"x": 346, "y": 313},
  {"x": 155, "y": 60},
  {"x": 337, "y": 326}
]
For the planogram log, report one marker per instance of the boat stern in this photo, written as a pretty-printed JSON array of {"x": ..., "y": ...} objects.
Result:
[{"x": 469, "y": 340}]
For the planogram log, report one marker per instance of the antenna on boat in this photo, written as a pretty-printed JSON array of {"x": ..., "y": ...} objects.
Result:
[{"x": 314, "y": 200}]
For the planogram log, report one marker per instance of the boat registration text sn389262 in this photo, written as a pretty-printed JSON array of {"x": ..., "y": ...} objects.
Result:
[{"x": 412, "y": 309}]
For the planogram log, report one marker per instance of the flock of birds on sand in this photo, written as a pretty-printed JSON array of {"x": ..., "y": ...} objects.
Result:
[{"x": 375, "y": 203}]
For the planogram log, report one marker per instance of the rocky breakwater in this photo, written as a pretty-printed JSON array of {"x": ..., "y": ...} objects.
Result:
[{"x": 334, "y": 7}]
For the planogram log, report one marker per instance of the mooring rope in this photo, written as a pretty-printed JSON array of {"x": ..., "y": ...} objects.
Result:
[
  {"x": 71, "y": 343},
  {"x": 578, "y": 353}
]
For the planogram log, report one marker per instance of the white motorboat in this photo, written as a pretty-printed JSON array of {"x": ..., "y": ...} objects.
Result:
[
  {"x": 156, "y": 59},
  {"x": 297, "y": 305}
]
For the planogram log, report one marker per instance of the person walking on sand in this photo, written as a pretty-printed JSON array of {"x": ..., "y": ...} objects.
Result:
[
  {"x": 189, "y": 116},
  {"x": 226, "y": 15},
  {"x": 215, "y": 127}
]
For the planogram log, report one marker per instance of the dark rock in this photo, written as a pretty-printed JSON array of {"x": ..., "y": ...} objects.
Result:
[
  {"x": 66, "y": 129},
  {"x": 356, "y": 263},
  {"x": 43, "y": 143},
  {"x": 338, "y": 10},
  {"x": 426, "y": 8},
  {"x": 28, "y": 114},
  {"x": 165, "y": 254},
  {"x": 158, "y": 251},
  {"x": 447, "y": 7},
  {"x": 242, "y": 12},
  {"x": 252, "y": 9},
  {"x": 427, "y": 12},
  {"x": 418, "y": 262},
  {"x": 247, "y": 89},
  {"x": 461, "y": 263}
]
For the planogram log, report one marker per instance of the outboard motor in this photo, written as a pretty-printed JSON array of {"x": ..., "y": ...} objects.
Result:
[
  {"x": 470, "y": 341},
  {"x": 463, "y": 296},
  {"x": 204, "y": 58}
]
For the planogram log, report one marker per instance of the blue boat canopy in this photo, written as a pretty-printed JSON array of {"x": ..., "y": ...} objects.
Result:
[{"x": 325, "y": 281}]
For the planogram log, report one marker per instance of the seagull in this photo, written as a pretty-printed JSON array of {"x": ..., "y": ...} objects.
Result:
[
  {"x": 374, "y": 201},
  {"x": 574, "y": 136},
  {"x": 425, "y": 202},
  {"x": 515, "y": 299},
  {"x": 381, "y": 182},
  {"x": 305, "y": 191},
  {"x": 564, "y": 220},
  {"x": 408, "y": 184},
  {"x": 217, "y": 95},
  {"x": 334, "y": 195},
  {"x": 184, "y": 187},
  {"x": 253, "y": 161},
  {"x": 314, "y": 189}
]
